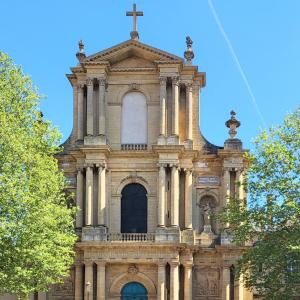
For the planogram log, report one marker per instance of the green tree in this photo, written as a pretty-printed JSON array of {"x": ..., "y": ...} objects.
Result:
[
  {"x": 36, "y": 227},
  {"x": 271, "y": 218}
]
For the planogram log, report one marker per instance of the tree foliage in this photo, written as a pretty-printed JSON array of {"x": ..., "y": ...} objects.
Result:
[
  {"x": 271, "y": 218},
  {"x": 36, "y": 227}
]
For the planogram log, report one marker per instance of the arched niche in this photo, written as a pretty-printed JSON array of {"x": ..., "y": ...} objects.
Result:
[
  {"x": 207, "y": 206},
  {"x": 134, "y": 119}
]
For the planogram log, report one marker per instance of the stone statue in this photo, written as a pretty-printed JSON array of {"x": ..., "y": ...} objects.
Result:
[{"x": 207, "y": 211}]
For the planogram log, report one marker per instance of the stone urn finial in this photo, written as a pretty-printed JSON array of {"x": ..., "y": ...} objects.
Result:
[
  {"x": 233, "y": 124},
  {"x": 80, "y": 55},
  {"x": 189, "y": 53}
]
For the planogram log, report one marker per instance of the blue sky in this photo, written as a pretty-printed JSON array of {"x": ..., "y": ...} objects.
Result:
[{"x": 42, "y": 36}]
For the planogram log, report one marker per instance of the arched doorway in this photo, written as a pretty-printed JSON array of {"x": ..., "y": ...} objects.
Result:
[
  {"x": 134, "y": 291},
  {"x": 134, "y": 209}
]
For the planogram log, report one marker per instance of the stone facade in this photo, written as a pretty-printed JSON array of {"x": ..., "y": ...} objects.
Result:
[{"x": 183, "y": 254}]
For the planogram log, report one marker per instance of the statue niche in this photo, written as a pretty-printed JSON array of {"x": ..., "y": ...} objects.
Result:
[{"x": 207, "y": 205}]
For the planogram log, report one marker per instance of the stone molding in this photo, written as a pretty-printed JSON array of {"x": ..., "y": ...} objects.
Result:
[{"x": 120, "y": 280}]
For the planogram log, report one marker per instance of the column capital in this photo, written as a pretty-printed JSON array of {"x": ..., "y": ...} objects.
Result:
[
  {"x": 101, "y": 263},
  {"x": 80, "y": 86},
  {"x": 89, "y": 165},
  {"x": 174, "y": 263},
  {"x": 78, "y": 264},
  {"x": 89, "y": 81},
  {"x": 161, "y": 165},
  {"x": 175, "y": 80},
  {"x": 101, "y": 165},
  {"x": 161, "y": 264},
  {"x": 80, "y": 169},
  {"x": 102, "y": 80},
  {"x": 226, "y": 267},
  {"x": 88, "y": 263},
  {"x": 174, "y": 165},
  {"x": 188, "y": 264},
  {"x": 188, "y": 84},
  {"x": 163, "y": 80},
  {"x": 188, "y": 170},
  {"x": 196, "y": 86}
]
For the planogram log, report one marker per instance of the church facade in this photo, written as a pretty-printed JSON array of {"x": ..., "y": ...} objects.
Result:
[{"x": 147, "y": 182}]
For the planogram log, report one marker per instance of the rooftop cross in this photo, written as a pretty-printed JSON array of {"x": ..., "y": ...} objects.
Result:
[{"x": 134, "y": 34}]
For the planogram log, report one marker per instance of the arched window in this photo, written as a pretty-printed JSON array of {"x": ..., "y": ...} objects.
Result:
[
  {"x": 134, "y": 209},
  {"x": 134, "y": 119},
  {"x": 134, "y": 291}
]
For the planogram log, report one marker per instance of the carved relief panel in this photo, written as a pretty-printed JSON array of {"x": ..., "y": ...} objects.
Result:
[{"x": 206, "y": 283}]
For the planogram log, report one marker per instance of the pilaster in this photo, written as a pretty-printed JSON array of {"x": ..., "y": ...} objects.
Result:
[
  {"x": 161, "y": 195},
  {"x": 161, "y": 280},
  {"x": 174, "y": 196},
  {"x": 79, "y": 198},
  {"x": 101, "y": 195},
  {"x": 101, "y": 288},
  {"x": 163, "y": 99},
  {"x": 78, "y": 282},
  {"x": 174, "y": 281},
  {"x": 175, "y": 107},
  {"x": 88, "y": 285},
  {"x": 80, "y": 119},
  {"x": 89, "y": 195},
  {"x": 90, "y": 107},
  {"x": 226, "y": 283},
  {"x": 101, "y": 106}
]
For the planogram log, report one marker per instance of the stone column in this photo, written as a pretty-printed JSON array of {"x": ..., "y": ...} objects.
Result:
[
  {"x": 226, "y": 182},
  {"x": 196, "y": 106},
  {"x": 163, "y": 99},
  {"x": 89, "y": 196},
  {"x": 175, "y": 196},
  {"x": 101, "y": 281},
  {"x": 226, "y": 283},
  {"x": 240, "y": 188},
  {"x": 88, "y": 285},
  {"x": 101, "y": 194},
  {"x": 161, "y": 195},
  {"x": 175, "y": 106},
  {"x": 101, "y": 106},
  {"x": 188, "y": 282},
  {"x": 79, "y": 198},
  {"x": 174, "y": 281},
  {"x": 90, "y": 108},
  {"x": 80, "y": 111},
  {"x": 161, "y": 280},
  {"x": 189, "y": 111},
  {"x": 78, "y": 282},
  {"x": 75, "y": 110},
  {"x": 188, "y": 199}
]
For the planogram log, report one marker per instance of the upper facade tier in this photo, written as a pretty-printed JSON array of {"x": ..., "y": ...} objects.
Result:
[{"x": 133, "y": 96}]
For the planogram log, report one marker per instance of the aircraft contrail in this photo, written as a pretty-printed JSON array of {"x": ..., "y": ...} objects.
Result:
[{"x": 236, "y": 60}]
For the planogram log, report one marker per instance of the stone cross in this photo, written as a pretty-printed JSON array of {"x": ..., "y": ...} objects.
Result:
[{"x": 134, "y": 14}]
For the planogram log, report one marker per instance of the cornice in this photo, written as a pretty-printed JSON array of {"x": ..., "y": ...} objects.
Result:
[
  {"x": 133, "y": 70},
  {"x": 131, "y": 44}
]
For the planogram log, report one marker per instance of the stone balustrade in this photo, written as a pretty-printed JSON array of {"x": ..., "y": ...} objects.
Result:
[
  {"x": 133, "y": 147},
  {"x": 131, "y": 237}
]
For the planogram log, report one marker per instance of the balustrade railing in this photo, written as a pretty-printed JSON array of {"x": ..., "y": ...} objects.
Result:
[
  {"x": 133, "y": 147},
  {"x": 131, "y": 237}
]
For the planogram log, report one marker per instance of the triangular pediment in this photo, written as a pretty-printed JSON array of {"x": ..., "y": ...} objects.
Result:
[
  {"x": 134, "y": 62},
  {"x": 131, "y": 53}
]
